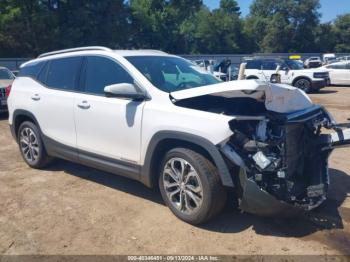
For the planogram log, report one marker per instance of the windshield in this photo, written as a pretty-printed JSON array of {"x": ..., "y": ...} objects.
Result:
[
  {"x": 171, "y": 74},
  {"x": 6, "y": 74},
  {"x": 294, "y": 65}
]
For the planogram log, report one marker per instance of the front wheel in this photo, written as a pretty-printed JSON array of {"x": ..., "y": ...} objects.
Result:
[
  {"x": 190, "y": 186},
  {"x": 303, "y": 84}
]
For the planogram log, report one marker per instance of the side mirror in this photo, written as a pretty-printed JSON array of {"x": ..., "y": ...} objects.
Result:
[{"x": 123, "y": 90}]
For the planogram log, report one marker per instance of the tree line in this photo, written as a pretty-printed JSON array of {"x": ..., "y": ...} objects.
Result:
[{"x": 30, "y": 27}]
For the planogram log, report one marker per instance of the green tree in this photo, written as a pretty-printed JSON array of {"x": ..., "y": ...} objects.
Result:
[
  {"x": 216, "y": 31},
  {"x": 28, "y": 28},
  {"x": 342, "y": 33},
  {"x": 157, "y": 23},
  {"x": 325, "y": 39},
  {"x": 24, "y": 27},
  {"x": 283, "y": 25}
]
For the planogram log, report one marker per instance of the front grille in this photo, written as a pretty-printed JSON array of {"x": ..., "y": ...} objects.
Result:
[{"x": 2, "y": 93}]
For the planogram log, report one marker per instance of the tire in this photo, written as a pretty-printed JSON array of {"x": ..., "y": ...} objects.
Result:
[
  {"x": 303, "y": 84},
  {"x": 31, "y": 146},
  {"x": 203, "y": 195}
]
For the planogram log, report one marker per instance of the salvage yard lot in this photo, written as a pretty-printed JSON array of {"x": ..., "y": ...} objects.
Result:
[{"x": 71, "y": 209}]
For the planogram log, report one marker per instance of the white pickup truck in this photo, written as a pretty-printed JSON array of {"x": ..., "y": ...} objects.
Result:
[{"x": 291, "y": 72}]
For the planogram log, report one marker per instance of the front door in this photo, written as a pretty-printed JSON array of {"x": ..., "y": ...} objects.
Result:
[{"x": 108, "y": 129}]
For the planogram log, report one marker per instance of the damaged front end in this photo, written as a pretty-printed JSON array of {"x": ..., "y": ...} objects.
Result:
[
  {"x": 280, "y": 141},
  {"x": 283, "y": 159}
]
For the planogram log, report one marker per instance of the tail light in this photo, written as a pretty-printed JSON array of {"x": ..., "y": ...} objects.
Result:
[{"x": 8, "y": 91}]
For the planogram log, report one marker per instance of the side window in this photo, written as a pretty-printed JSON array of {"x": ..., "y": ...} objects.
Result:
[
  {"x": 253, "y": 64},
  {"x": 337, "y": 66},
  {"x": 43, "y": 73},
  {"x": 62, "y": 73},
  {"x": 269, "y": 65},
  {"x": 101, "y": 72},
  {"x": 348, "y": 66},
  {"x": 31, "y": 70}
]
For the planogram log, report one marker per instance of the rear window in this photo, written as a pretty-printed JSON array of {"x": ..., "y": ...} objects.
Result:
[
  {"x": 31, "y": 70},
  {"x": 63, "y": 73}
]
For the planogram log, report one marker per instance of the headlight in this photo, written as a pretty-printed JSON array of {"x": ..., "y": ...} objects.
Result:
[{"x": 321, "y": 75}]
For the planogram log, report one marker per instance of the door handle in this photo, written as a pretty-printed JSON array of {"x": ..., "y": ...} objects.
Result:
[
  {"x": 84, "y": 105},
  {"x": 35, "y": 97}
]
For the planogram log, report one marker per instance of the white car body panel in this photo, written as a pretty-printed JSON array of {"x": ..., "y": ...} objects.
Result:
[
  {"x": 58, "y": 123},
  {"x": 339, "y": 76},
  {"x": 110, "y": 127}
]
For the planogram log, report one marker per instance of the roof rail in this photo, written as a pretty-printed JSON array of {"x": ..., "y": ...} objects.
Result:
[
  {"x": 154, "y": 50},
  {"x": 87, "y": 48}
]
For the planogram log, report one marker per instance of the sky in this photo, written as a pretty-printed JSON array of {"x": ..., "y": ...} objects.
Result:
[{"x": 330, "y": 9}]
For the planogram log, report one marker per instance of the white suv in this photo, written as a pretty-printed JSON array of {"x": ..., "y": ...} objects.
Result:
[
  {"x": 291, "y": 72},
  {"x": 159, "y": 119}
]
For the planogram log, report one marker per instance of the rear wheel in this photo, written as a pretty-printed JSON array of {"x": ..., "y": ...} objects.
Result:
[
  {"x": 303, "y": 84},
  {"x": 31, "y": 145},
  {"x": 190, "y": 186}
]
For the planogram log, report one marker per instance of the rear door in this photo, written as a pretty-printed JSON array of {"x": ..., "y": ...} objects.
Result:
[
  {"x": 339, "y": 73},
  {"x": 54, "y": 104}
]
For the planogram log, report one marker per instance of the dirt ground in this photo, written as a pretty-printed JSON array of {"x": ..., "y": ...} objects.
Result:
[{"x": 71, "y": 209}]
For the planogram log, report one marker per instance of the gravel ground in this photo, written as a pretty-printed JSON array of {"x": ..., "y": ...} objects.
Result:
[{"x": 71, "y": 209}]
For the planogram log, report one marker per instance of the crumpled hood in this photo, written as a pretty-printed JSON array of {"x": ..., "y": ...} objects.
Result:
[{"x": 279, "y": 98}]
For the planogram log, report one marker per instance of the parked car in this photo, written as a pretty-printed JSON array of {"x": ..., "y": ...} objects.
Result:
[
  {"x": 343, "y": 58},
  {"x": 313, "y": 62},
  {"x": 291, "y": 72},
  {"x": 154, "y": 117},
  {"x": 339, "y": 73},
  {"x": 329, "y": 58},
  {"x": 6, "y": 79}
]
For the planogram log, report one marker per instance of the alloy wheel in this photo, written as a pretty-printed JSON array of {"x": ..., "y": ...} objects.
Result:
[
  {"x": 303, "y": 84},
  {"x": 29, "y": 144},
  {"x": 182, "y": 185}
]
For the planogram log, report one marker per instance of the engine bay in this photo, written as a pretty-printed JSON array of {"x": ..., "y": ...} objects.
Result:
[{"x": 284, "y": 155}]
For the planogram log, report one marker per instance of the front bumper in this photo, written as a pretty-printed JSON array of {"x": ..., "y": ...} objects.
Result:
[
  {"x": 258, "y": 201},
  {"x": 317, "y": 85}
]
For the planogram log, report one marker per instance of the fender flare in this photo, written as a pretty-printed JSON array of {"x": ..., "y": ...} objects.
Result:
[
  {"x": 251, "y": 77},
  {"x": 148, "y": 177},
  {"x": 16, "y": 114}
]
